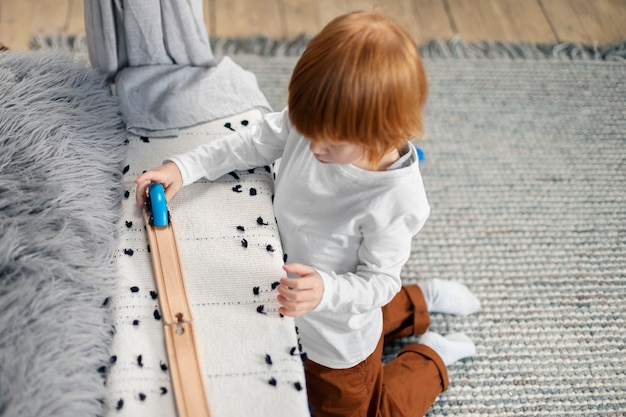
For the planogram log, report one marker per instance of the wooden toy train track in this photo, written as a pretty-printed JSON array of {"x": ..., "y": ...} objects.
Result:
[{"x": 180, "y": 341}]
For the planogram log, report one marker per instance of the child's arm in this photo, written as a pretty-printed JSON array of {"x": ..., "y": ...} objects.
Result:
[
  {"x": 372, "y": 285},
  {"x": 255, "y": 146},
  {"x": 377, "y": 278}
]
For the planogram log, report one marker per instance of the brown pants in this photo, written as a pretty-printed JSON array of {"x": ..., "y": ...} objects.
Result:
[{"x": 406, "y": 386}]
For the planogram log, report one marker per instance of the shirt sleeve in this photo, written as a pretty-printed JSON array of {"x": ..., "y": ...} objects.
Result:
[
  {"x": 377, "y": 278},
  {"x": 260, "y": 144}
]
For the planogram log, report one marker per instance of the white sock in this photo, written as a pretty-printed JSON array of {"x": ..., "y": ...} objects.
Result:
[
  {"x": 448, "y": 297},
  {"x": 450, "y": 348}
]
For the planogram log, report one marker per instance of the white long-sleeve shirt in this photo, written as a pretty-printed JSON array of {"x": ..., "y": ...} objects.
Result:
[{"x": 353, "y": 226}]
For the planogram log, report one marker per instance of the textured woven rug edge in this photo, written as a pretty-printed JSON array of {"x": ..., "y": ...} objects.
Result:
[{"x": 437, "y": 48}]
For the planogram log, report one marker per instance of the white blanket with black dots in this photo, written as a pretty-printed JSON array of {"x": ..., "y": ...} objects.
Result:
[{"x": 232, "y": 258}]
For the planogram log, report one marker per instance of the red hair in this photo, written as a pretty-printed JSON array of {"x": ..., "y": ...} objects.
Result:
[{"x": 360, "y": 80}]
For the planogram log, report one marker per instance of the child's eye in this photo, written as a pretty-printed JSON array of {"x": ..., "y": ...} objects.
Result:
[{"x": 337, "y": 145}]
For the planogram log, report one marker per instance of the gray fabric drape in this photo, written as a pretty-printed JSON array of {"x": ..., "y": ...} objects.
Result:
[{"x": 157, "y": 55}]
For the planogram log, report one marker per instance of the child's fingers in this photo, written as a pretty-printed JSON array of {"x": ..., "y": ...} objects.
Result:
[
  {"x": 145, "y": 177},
  {"x": 141, "y": 195},
  {"x": 299, "y": 289},
  {"x": 290, "y": 292},
  {"x": 293, "y": 308},
  {"x": 298, "y": 269},
  {"x": 167, "y": 174},
  {"x": 164, "y": 174},
  {"x": 171, "y": 190},
  {"x": 143, "y": 182},
  {"x": 152, "y": 176},
  {"x": 298, "y": 296},
  {"x": 292, "y": 283}
]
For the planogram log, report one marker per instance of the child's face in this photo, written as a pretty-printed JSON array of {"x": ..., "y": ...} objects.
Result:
[{"x": 343, "y": 153}]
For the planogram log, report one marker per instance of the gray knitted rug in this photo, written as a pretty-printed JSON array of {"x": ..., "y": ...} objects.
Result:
[{"x": 526, "y": 173}]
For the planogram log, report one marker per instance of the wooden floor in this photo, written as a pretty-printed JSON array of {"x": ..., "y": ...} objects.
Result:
[{"x": 542, "y": 21}]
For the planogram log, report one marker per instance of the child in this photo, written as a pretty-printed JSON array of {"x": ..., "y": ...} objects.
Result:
[{"x": 348, "y": 200}]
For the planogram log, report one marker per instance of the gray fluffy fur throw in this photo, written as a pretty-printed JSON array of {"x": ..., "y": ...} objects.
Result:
[{"x": 61, "y": 156}]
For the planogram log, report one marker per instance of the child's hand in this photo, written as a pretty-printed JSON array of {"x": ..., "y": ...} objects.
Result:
[
  {"x": 299, "y": 295},
  {"x": 169, "y": 175}
]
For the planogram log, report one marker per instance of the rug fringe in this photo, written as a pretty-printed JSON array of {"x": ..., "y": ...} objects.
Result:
[
  {"x": 456, "y": 47},
  {"x": 60, "y": 41},
  {"x": 260, "y": 45}
]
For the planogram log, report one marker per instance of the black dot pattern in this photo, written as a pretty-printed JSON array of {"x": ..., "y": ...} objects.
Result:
[{"x": 224, "y": 225}]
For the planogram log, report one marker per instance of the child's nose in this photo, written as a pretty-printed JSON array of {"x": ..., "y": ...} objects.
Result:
[{"x": 317, "y": 149}]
